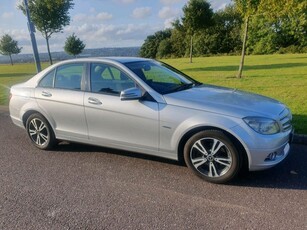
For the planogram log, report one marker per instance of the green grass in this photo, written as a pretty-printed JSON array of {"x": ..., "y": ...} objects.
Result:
[
  {"x": 10, "y": 75},
  {"x": 283, "y": 77}
]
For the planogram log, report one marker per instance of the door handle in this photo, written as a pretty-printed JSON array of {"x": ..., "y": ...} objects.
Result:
[
  {"x": 46, "y": 94},
  {"x": 94, "y": 101}
]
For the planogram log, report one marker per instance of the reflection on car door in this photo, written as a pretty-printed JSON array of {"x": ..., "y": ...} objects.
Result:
[
  {"x": 59, "y": 95},
  {"x": 111, "y": 122}
]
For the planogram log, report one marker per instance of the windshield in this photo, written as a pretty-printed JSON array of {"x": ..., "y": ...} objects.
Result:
[{"x": 161, "y": 77}]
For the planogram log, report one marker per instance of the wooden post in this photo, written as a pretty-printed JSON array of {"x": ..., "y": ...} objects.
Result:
[
  {"x": 243, "y": 48},
  {"x": 191, "y": 49}
]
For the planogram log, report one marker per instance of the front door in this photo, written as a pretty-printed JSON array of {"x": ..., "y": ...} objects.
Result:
[{"x": 131, "y": 125}]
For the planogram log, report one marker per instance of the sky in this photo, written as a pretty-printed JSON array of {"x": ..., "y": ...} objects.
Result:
[{"x": 100, "y": 23}]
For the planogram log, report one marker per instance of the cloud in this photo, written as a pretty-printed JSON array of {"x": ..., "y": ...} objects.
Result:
[
  {"x": 221, "y": 7},
  {"x": 93, "y": 17},
  {"x": 168, "y": 23},
  {"x": 7, "y": 15},
  {"x": 97, "y": 35},
  {"x": 125, "y": 1},
  {"x": 219, "y": 4},
  {"x": 171, "y": 2},
  {"x": 80, "y": 17},
  {"x": 104, "y": 16},
  {"x": 141, "y": 12},
  {"x": 167, "y": 12},
  {"x": 16, "y": 34}
]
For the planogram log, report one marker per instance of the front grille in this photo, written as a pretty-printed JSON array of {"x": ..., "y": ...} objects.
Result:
[{"x": 285, "y": 119}]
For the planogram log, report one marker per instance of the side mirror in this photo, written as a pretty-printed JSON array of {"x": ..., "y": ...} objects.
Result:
[{"x": 130, "y": 94}]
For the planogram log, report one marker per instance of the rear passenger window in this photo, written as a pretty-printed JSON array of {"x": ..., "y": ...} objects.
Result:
[
  {"x": 47, "y": 81},
  {"x": 69, "y": 76},
  {"x": 108, "y": 79}
]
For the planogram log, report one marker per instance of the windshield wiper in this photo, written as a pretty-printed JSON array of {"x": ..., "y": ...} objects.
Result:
[{"x": 183, "y": 87}]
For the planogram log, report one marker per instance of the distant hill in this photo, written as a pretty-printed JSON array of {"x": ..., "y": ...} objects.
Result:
[{"x": 58, "y": 56}]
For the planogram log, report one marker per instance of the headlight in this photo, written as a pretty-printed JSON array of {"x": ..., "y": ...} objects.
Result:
[{"x": 262, "y": 125}]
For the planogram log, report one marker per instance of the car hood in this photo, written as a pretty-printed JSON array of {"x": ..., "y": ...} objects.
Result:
[{"x": 226, "y": 101}]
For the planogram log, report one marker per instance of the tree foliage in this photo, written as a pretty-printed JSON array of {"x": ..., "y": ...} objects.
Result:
[
  {"x": 247, "y": 7},
  {"x": 9, "y": 46},
  {"x": 49, "y": 16},
  {"x": 150, "y": 47},
  {"x": 274, "y": 26},
  {"x": 165, "y": 48},
  {"x": 73, "y": 45},
  {"x": 197, "y": 16}
]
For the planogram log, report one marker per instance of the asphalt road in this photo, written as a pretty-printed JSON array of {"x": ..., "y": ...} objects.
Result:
[{"x": 85, "y": 187}]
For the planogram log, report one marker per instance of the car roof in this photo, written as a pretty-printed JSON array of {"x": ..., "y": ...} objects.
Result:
[
  {"x": 125, "y": 59},
  {"x": 114, "y": 59}
]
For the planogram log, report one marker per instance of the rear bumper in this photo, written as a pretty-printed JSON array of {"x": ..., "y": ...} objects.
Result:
[{"x": 17, "y": 122}]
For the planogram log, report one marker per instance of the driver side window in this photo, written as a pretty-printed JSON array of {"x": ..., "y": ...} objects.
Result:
[{"x": 108, "y": 79}]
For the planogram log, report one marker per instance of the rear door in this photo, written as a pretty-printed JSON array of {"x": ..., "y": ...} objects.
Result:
[{"x": 60, "y": 95}]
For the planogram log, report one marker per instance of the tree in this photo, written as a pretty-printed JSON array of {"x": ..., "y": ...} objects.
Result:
[
  {"x": 274, "y": 26},
  {"x": 164, "y": 49},
  {"x": 197, "y": 16},
  {"x": 178, "y": 39},
  {"x": 262, "y": 36},
  {"x": 9, "y": 46},
  {"x": 247, "y": 8},
  {"x": 150, "y": 47},
  {"x": 227, "y": 27},
  {"x": 49, "y": 17},
  {"x": 73, "y": 45},
  {"x": 289, "y": 20}
]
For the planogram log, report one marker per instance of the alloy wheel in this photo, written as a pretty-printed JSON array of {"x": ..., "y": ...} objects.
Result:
[
  {"x": 211, "y": 157},
  {"x": 38, "y": 132}
]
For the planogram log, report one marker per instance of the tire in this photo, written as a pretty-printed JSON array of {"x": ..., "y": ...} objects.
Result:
[
  {"x": 211, "y": 155},
  {"x": 40, "y": 132}
]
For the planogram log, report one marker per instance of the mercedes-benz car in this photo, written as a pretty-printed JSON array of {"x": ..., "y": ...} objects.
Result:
[{"x": 146, "y": 106}]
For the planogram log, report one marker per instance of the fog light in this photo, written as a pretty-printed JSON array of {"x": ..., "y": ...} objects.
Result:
[{"x": 271, "y": 157}]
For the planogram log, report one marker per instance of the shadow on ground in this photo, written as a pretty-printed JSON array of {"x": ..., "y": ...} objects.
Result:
[
  {"x": 15, "y": 75},
  {"x": 290, "y": 174},
  {"x": 246, "y": 67}
]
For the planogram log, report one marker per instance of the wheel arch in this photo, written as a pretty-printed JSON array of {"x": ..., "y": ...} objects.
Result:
[
  {"x": 190, "y": 133},
  {"x": 28, "y": 113}
]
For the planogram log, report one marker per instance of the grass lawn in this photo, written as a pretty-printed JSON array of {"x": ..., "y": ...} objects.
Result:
[
  {"x": 10, "y": 75},
  {"x": 283, "y": 77}
]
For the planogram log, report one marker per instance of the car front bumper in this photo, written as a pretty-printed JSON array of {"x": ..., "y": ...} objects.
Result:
[
  {"x": 264, "y": 151},
  {"x": 262, "y": 157}
]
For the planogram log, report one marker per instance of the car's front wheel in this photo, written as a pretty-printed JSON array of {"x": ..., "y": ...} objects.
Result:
[
  {"x": 40, "y": 132},
  {"x": 212, "y": 156}
]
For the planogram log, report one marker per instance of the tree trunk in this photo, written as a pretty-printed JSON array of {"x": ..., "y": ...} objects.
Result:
[
  {"x": 48, "y": 49},
  {"x": 243, "y": 48},
  {"x": 11, "y": 59},
  {"x": 191, "y": 49}
]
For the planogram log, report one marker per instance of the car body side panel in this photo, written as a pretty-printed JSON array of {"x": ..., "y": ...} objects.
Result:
[
  {"x": 176, "y": 121},
  {"x": 22, "y": 101},
  {"x": 65, "y": 107},
  {"x": 131, "y": 123}
]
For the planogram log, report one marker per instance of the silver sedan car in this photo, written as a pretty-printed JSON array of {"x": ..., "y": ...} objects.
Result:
[{"x": 146, "y": 106}]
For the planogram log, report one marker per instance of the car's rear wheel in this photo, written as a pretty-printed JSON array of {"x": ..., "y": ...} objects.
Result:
[
  {"x": 40, "y": 131},
  {"x": 212, "y": 156}
]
